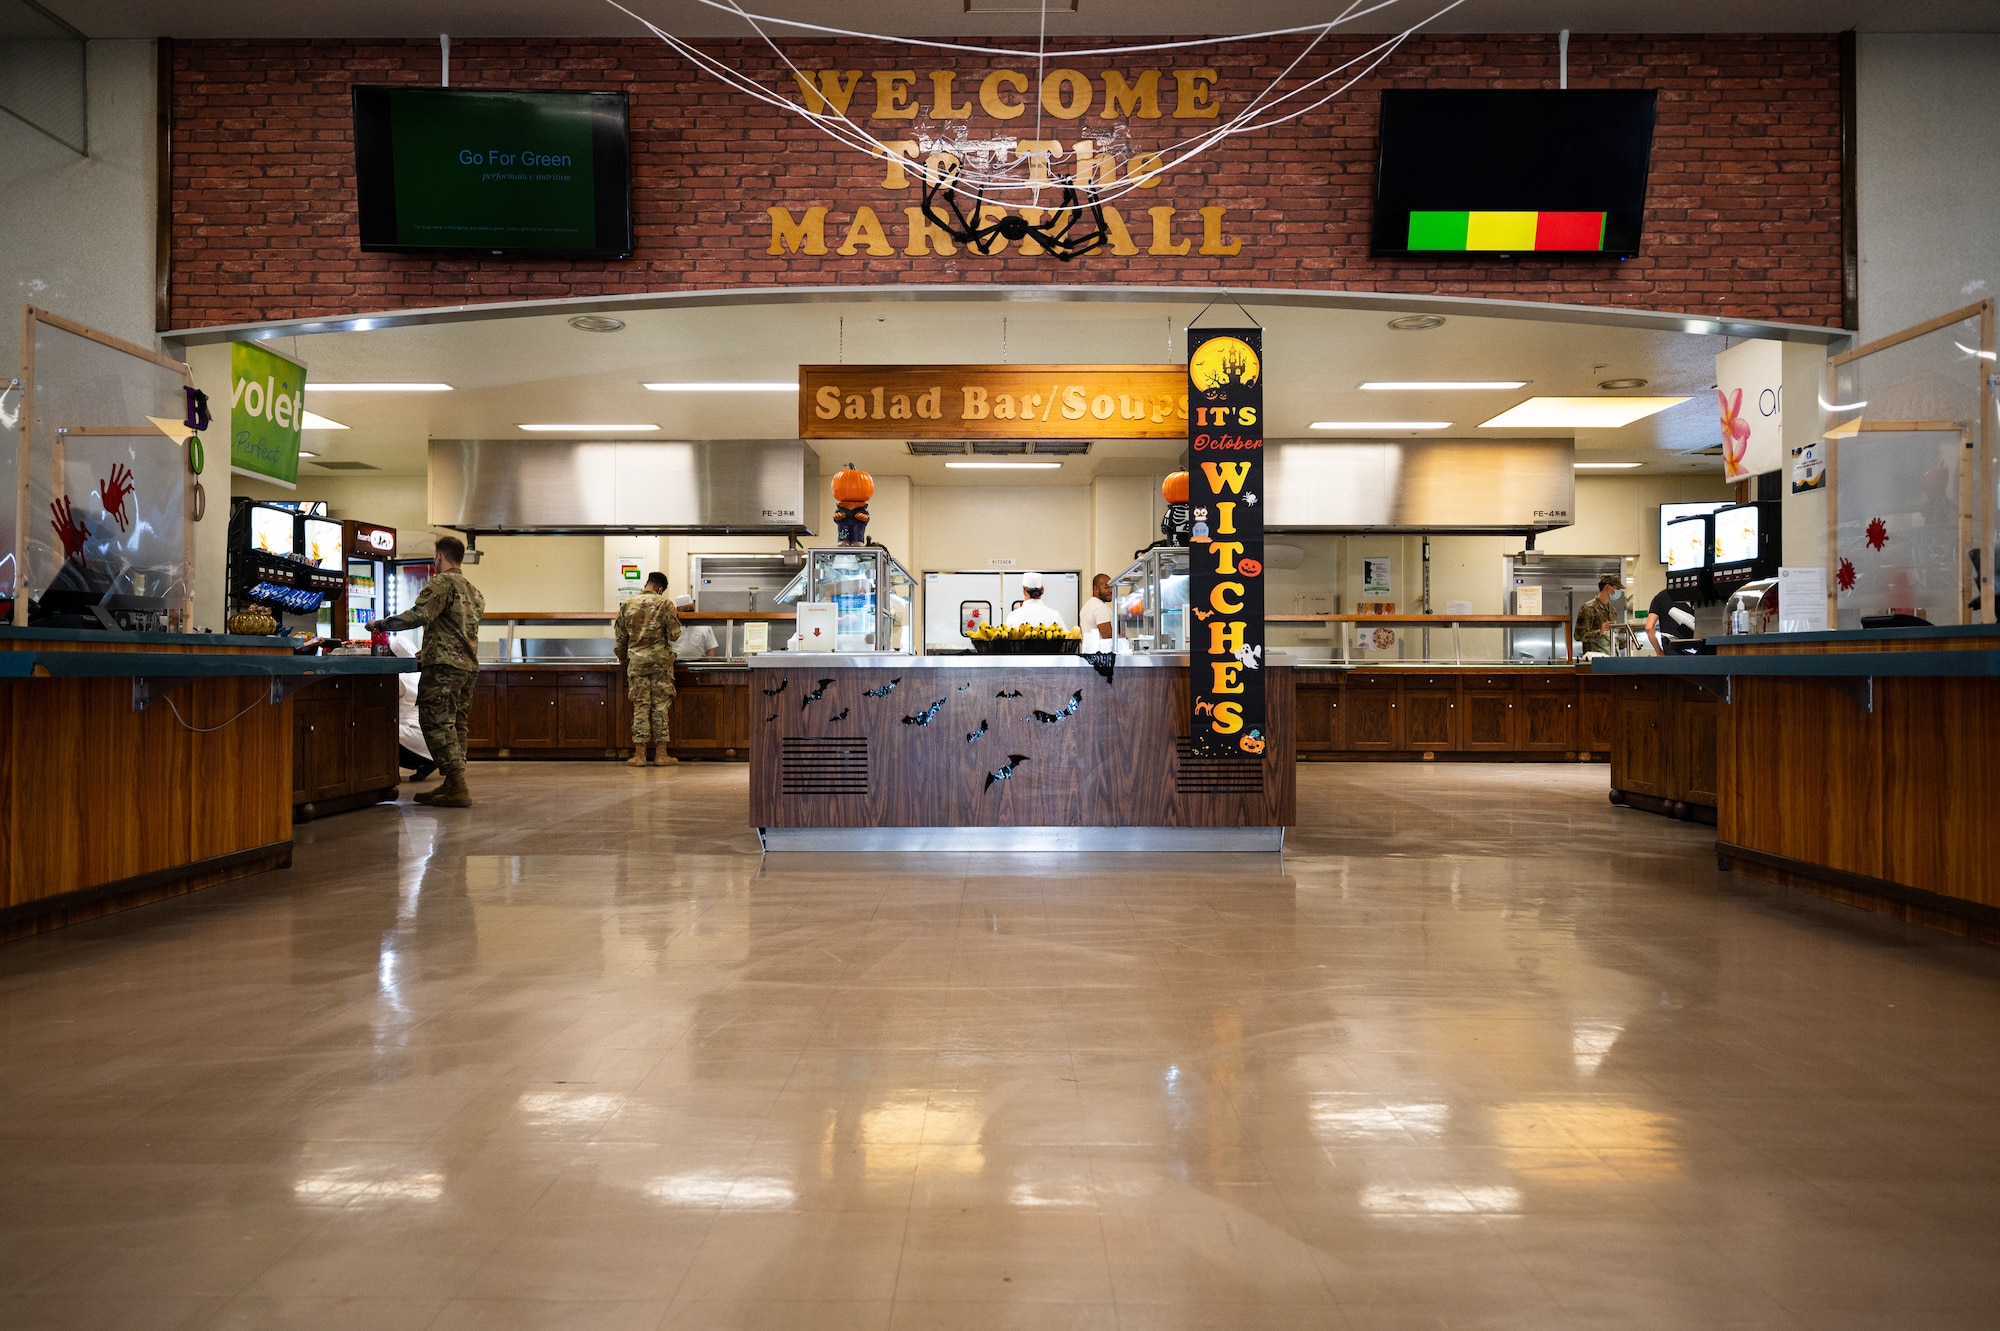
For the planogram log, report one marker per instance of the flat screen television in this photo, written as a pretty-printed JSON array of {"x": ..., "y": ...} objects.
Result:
[
  {"x": 1687, "y": 545},
  {"x": 1672, "y": 513},
  {"x": 1511, "y": 171},
  {"x": 273, "y": 530},
  {"x": 470, "y": 170},
  {"x": 323, "y": 542}
]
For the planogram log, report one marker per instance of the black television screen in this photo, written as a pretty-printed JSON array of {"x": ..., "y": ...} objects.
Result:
[
  {"x": 469, "y": 170},
  {"x": 1512, "y": 171},
  {"x": 1672, "y": 513}
]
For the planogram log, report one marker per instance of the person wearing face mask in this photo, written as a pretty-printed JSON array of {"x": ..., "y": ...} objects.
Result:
[{"x": 1594, "y": 621}]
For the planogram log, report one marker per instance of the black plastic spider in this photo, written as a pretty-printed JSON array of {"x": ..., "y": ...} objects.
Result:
[{"x": 1065, "y": 235}]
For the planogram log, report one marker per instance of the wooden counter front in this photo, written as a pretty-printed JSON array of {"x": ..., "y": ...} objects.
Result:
[
  {"x": 1460, "y": 714},
  {"x": 914, "y": 744},
  {"x": 581, "y": 711}
]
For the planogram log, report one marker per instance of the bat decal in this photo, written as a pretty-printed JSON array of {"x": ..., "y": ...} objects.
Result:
[
  {"x": 978, "y": 734},
  {"x": 925, "y": 717},
  {"x": 839, "y": 716},
  {"x": 886, "y": 689},
  {"x": 815, "y": 695},
  {"x": 1051, "y": 718},
  {"x": 1203, "y": 615},
  {"x": 772, "y": 717},
  {"x": 1014, "y": 761},
  {"x": 772, "y": 693},
  {"x": 963, "y": 687},
  {"x": 1010, "y": 693}
]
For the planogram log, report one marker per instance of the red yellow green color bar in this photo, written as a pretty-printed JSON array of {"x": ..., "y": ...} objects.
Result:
[{"x": 1506, "y": 232}]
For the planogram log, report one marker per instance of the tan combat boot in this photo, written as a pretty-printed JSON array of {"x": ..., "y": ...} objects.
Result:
[
  {"x": 661, "y": 758},
  {"x": 450, "y": 795},
  {"x": 638, "y": 758}
]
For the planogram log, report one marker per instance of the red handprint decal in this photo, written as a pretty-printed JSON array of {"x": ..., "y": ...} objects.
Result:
[
  {"x": 69, "y": 530},
  {"x": 117, "y": 493}
]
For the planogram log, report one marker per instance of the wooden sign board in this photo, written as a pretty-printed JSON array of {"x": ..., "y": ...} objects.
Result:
[{"x": 993, "y": 402}]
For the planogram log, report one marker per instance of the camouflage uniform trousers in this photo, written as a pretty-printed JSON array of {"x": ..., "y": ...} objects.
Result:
[
  {"x": 652, "y": 692},
  {"x": 444, "y": 707}
]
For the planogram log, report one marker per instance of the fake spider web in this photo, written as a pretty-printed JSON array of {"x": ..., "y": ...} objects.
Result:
[{"x": 986, "y": 189}]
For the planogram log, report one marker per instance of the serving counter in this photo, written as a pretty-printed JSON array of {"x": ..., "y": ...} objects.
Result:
[
  {"x": 138, "y": 766},
  {"x": 1006, "y": 753},
  {"x": 1856, "y": 764}
]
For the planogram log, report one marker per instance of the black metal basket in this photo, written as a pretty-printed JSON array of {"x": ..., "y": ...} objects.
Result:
[{"x": 1027, "y": 646}]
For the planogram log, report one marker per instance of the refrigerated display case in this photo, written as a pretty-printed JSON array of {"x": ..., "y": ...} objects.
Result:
[
  {"x": 366, "y": 553},
  {"x": 406, "y": 577},
  {"x": 1149, "y": 602},
  {"x": 871, "y": 594}
]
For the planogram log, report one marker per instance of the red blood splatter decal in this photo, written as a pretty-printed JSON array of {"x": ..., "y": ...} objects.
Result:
[
  {"x": 116, "y": 491},
  {"x": 1878, "y": 533},
  {"x": 1845, "y": 576},
  {"x": 69, "y": 529}
]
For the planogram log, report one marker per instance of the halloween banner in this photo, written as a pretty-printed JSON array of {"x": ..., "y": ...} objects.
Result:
[{"x": 1226, "y": 549}]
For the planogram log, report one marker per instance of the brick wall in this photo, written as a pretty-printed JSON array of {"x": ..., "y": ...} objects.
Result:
[{"x": 1743, "y": 217}]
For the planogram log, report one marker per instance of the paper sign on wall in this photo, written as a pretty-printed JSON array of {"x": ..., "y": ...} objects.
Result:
[
  {"x": 1801, "y": 599},
  {"x": 1750, "y": 395},
  {"x": 266, "y": 413},
  {"x": 1226, "y": 554},
  {"x": 1808, "y": 468},
  {"x": 1378, "y": 579}
]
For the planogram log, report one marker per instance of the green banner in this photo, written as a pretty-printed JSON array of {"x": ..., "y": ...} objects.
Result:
[{"x": 266, "y": 412}]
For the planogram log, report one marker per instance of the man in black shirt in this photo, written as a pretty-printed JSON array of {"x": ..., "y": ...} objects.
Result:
[{"x": 1659, "y": 617}]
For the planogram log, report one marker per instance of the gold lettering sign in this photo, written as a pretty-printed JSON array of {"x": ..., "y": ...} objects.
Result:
[{"x": 992, "y": 402}]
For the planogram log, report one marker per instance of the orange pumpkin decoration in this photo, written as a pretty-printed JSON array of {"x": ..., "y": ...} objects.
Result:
[
  {"x": 1250, "y": 568},
  {"x": 852, "y": 485},
  {"x": 1251, "y": 743},
  {"x": 1174, "y": 488}
]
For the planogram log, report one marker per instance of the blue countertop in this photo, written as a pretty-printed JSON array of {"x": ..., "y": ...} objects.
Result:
[
  {"x": 1863, "y": 635},
  {"x": 10, "y": 634},
  {"x": 1967, "y": 663},
  {"x": 161, "y": 665}
]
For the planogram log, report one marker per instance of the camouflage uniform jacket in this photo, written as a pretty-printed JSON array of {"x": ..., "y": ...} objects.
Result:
[
  {"x": 448, "y": 610},
  {"x": 646, "y": 631},
  {"x": 1593, "y": 626}
]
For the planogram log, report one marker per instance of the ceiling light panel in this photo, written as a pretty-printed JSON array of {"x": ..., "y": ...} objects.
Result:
[
  {"x": 312, "y": 387},
  {"x": 1003, "y": 466},
  {"x": 546, "y": 428},
  {"x": 1607, "y": 466},
  {"x": 1391, "y": 426},
  {"x": 1579, "y": 413},
  {"x": 721, "y": 386},
  {"x": 312, "y": 420},
  {"x": 1441, "y": 385}
]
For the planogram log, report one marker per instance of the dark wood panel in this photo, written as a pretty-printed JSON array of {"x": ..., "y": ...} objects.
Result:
[
  {"x": 1488, "y": 718},
  {"x": 1594, "y": 718},
  {"x": 1374, "y": 716},
  {"x": 1319, "y": 717},
  {"x": 1640, "y": 752},
  {"x": 1695, "y": 724},
  {"x": 1430, "y": 716},
  {"x": 530, "y": 716},
  {"x": 1546, "y": 719},
  {"x": 483, "y": 727},
  {"x": 583, "y": 715},
  {"x": 374, "y": 732},
  {"x": 1091, "y": 752}
]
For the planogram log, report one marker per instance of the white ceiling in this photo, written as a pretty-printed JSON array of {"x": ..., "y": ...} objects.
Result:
[
  {"x": 597, "y": 18},
  {"x": 535, "y": 367}
]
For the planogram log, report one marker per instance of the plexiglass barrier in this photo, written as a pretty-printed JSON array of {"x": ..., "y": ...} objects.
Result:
[{"x": 104, "y": 521}]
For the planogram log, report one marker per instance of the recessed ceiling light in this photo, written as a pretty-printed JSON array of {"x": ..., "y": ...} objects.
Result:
[
  {"x": 1607, "y": 466},
  {"x": 1579, "y": 413},
  {"x": 747, "y": 386},
  {"x": 595, "y": 323},
  {"x": 545, "y": 428},
  {"x": 1617, "y": 385},
  {"x": 1417, "y": 323},
  {"x": 1423, "y": 385},
  {"x": 312, "y": 420},
  {"x": 1381, "y": 425},
  {"x": 312, "y": 387},
  {"x": 1006, "y": 466}
]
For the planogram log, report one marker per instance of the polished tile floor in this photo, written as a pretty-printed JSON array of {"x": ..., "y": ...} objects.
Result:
[{"x": 1479, "y": 1051}]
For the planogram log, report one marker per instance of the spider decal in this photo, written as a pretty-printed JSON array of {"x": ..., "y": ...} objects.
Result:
[{"x": 1070, "y": 230}]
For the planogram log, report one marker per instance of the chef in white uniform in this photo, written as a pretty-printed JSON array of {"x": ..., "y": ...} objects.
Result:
[
  {"x": 1033, "y": 610},
  {"x": 697, "y": 640}
]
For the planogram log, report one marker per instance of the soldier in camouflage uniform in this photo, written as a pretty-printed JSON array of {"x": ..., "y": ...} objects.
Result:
[
  {"x": 646, "y": 631},
  {"x": 448, "y": 610},
  {"x": 1593, "y": 622}
]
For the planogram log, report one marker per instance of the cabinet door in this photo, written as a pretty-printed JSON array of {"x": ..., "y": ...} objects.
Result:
[
  {"x": 736, "y": 718},
  {"x": 1430, "y": 715},
  {"x": 483, "y": 726},
  {"x": 1696, "y": 730},
  {"x": 305, "y": 714},
  {"x": 1489, "y": 719},
  {"x": 372, "y": 734},
  {"x": 1374, "y": 721},
  {"x": 1594, "y": 729},
  {"x": 1639, "y": 753},
  {"x": 1545, "y": 719},
  {"x": 530, "y": 714},
  {"x": 583, "y": 716},
  {"x": 698, "y": 715},
  {"x": 1318, "y": 712},
  {"x": 329, "y": 736}
]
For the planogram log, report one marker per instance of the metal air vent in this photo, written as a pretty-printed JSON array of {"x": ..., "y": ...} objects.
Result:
[
  {"x": 814, "y": 766},
  {"x": 344, "y": 466},
  {"x": 1062, "y": 448},
  {"x": 1215, "y": 776},
  {"x": 999, "y": 447},
  {"x": 937, "y": 448}
]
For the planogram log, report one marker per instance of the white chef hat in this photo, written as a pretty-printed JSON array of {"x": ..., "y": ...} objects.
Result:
[
  {"x": 1032, "y": 582},
  {"x": 684, "y": 602}
]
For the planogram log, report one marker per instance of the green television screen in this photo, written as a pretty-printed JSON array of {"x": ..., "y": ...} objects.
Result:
[{"x": 469, "y": 170}]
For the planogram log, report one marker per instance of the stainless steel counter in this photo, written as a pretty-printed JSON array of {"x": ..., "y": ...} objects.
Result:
[{"x": 893, "y": 661}]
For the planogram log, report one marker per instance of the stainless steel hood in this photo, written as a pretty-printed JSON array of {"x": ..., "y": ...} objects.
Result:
[
  {"x": 1465, "y": 486},
  {"x": 765, "y": 487}
]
